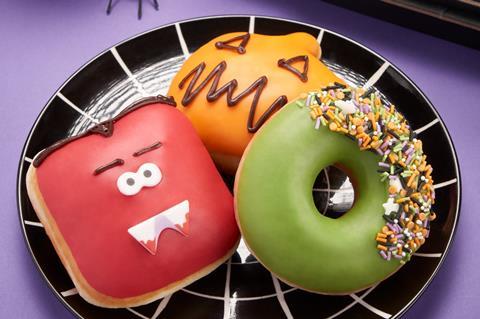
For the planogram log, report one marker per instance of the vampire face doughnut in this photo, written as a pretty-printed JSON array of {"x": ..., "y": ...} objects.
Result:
[
  {"x": 148, "y": 175},
  {"x": 122, "y": 250}
]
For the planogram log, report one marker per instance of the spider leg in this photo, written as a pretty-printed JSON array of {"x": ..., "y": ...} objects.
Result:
[
  {"x": 139, "y": 9},
  {"x": 109, "y": 7}
]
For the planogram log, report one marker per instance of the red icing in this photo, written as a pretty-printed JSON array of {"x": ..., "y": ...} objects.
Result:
[
  {"x": 93, "y": 216},
  {"x": 151, "y": 246},
  {"x": 184, "y": 228}
]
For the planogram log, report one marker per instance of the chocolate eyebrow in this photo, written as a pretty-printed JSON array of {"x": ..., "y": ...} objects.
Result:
[
  {"x": 147, "y": 149},
  {"x": 112, "y": 164}
]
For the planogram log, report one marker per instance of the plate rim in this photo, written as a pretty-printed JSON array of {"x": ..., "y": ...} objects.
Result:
[{"x": 250, "y": 16}]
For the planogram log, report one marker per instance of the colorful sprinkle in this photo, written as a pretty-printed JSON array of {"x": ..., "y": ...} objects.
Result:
[{"x": 362, "y": 116}]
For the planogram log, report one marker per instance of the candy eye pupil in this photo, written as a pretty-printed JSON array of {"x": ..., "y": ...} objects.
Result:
[
  {"x": 130, "y": 181},
  {"x": 147, "y": 173}
]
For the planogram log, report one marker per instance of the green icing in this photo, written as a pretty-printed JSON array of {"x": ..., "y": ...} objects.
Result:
[{"x": 278, "y": 217}]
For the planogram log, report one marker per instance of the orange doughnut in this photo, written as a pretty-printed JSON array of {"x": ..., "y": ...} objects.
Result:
[{"x": 230, "y": 86}]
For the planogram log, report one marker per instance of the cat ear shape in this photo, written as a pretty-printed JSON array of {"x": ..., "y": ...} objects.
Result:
[
  {"x": 287, "y": 64},
  {"x": 240, "y": 48}
]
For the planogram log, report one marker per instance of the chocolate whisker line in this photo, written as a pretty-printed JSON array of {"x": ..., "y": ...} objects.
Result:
[{"x": 215, "y": 93}]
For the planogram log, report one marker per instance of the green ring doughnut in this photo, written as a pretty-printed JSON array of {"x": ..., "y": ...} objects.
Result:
[{"x": 278, "y": 218}]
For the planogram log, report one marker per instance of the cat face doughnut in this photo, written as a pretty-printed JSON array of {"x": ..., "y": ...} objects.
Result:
[
  {"x": 394, "y": 194},
  {"x": 230, "y": 86},
  {"x": 135, "y": 207}
]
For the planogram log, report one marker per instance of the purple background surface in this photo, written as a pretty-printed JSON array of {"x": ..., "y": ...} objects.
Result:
[{"x": 44, "y": 42}]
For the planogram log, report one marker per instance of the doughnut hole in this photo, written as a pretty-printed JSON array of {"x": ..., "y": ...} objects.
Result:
[{"x": 333, "y": 192}]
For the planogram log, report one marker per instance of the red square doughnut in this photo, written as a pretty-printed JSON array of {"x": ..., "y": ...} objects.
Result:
[{"x": 138, "y": 214}]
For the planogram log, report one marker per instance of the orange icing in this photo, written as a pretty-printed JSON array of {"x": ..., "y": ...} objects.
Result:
[{"x": 223, "y": 129}]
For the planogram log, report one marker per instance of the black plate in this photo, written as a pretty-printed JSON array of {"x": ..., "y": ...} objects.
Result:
[{"x": 242, "y": 288}]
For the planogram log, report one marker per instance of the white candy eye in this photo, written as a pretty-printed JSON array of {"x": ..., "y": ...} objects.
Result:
[
  {"x": 150, "y": 174},
  {"x": 128, "y": 184}
]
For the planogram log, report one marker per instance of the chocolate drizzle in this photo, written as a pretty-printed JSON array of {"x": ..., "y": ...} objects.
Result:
[
  {"x": 240, "y": 48},
  {"x": 112, "y": 164},
  {"x": 215, "y": 93},
  {"x": 147, "y": 149},
  {"x": 104, "y": 129},
  {"x": 287, "y": 65}
]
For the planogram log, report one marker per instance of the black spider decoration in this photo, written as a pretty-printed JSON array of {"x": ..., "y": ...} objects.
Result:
[{"x": 154, "y": 3}]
